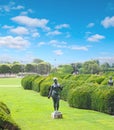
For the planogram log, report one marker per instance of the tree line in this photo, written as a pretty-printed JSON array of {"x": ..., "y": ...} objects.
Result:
[{"x": 41, "y": 67}]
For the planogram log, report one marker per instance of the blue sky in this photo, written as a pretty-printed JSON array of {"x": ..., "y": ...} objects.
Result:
[{"x": 56, "y": 31}]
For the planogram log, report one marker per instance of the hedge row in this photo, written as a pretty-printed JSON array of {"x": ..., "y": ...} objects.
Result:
[
  {"x": 6, "y": 122},
  {"x": 80, "y": 91}
]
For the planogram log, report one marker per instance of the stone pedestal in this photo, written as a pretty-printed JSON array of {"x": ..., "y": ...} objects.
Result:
[{"x": 56, "y": 115}]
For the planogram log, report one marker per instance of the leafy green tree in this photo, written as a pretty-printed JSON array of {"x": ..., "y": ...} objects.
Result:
[
  {"x": 16, "y": 68},
  {"x": 67, "y": 69},
  {"x": 105, "y": 66},
  {"x": 37, "y": 61},
  {"x": 30, "y": 68},
  {"x": 5, "y": 69},
  {"x": 90, "y": 67},
  {"x": 44, "y": 68}
]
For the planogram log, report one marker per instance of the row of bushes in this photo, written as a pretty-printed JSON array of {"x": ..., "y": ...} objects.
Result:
[
  {"x": 6, "y": 122},
  {"x": 80, "y": 91}
]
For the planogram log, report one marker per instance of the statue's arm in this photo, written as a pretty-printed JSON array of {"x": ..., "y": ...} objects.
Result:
[{"x": 50, "y": 92}]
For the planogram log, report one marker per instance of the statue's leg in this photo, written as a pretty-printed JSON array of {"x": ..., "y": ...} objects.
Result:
[
  {"x": 54, "y": 103},
  {"x": 57, "y": 103}
]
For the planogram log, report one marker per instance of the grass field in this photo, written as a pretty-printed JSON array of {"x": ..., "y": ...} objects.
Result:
[{"x": 33, "y": 112}]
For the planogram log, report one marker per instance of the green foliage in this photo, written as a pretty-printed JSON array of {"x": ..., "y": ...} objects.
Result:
[
  {"x": 30, "y": 68},
  {"x": 95, "y": 79},
  {"x": 26, "y": 82},
  {"x": 37, "y": 82},
  {"x": 65, "y": 69},
  {"x": 103, "y": 99},
  {"x": 5, "y": 69},
  {"x": 6, "y": 121},
  {"x": 81, "y": 97},
  {"x": 45, "y": 85},
  {"x": 80, "y": 91},
  {"x": 16, "y": 68},
  {"x": 67, "y": 86}
]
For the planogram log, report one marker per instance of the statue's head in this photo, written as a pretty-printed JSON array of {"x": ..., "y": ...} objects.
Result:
[
  {"x": 55, "y": 79},
  {"x": 110, "y": 77}
]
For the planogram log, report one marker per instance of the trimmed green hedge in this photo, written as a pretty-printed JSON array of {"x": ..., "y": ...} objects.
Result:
[
  {"x": 103, "y": 99},
  {"x": 83, "y": 91},
  {"x": 6, "y": 122},
  {"x": 37, "y": 82},
  {"x": 80, "y": 97},
  {"x": 27, "y": 81}
]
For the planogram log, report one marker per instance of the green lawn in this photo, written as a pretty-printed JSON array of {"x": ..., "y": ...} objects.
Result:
[{"x": 33, "y": 112}]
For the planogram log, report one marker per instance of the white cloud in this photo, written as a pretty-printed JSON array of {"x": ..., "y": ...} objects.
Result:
[
  {"x": 90, "y": 25},
  {"x": 18, "y": 7},
  {"x": 108, "y": 22},
  {"x": 35, "y": 34},
  {"x": 7, "y": 27},
  {"x": 95, "y": 38},
  {"x": 84, "y": 48},
  {"x": 14, "y": 42},
  {"x": 10, "y": 6},
  {"x": 62, "y": 26},
  {"x": 20, "y": 30},
  {"x": 41, "y": 43},
  {"x": 56, "y": 42},
  {"x": 58, "y": 52},
  {"x": 56, "y": 32},
  {"x": 26, "y": 12},
  {"x": 32, "y": 22}
]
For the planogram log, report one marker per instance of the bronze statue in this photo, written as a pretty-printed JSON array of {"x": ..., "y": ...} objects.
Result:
[{"x": 54, "y": 92}]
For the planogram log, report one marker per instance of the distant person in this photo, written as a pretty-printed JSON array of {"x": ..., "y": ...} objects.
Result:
[
  {"x": 110, "y": 81},
  {"x": 54, "y": 92}
]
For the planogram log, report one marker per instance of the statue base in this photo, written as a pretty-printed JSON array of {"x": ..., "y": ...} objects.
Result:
[{"x": 56, "y": 115}]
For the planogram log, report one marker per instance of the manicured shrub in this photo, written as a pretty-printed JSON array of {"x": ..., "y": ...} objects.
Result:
[
  {"x": 36, "y": 83},
  {"x": 6, "y": 122},
  {"x": 110, "y": 102},
  {"x": 67, "y": 86},
  {"x": 26, "y": 82},
  {"x": 81, "y": 96},
  {"x": 44, "y": 91},
  {"x": 100, "y": 79},
  {"x": 103, "y": 99},
  {"x": 45, "y": 85}
]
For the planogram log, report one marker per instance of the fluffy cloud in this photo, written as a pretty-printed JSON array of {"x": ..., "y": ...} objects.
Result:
[
  {"x": 56, "y": 32},
  {"x": 108, "y": 22},
  {"x": 90, "y": 25},
  {"x": 7, "y": 27},
  {"x": 84, "y": 48},
  {"x": 58, "y": 52},
  {"x": 20, "y": 30},
  {"x": 32, "y": 22},
  {"x": 10, "y": 6},
  {"x": 62, "y": 26},
  {"x": 95, "y": 38},
  {"x": 14, "y": 42},
  {"x": 41, "y": 43},
  {"x": 35, "y": 34}
]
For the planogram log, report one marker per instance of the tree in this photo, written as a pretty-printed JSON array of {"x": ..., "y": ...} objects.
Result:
[
  {"x": 30, "y": 68},
  {"x": 37, "y": 61},
  {"x": 105, "y": 66},
  {"x": 67, "y": 69},
  {"x": 44, "y": 68},
  {"x": 16, "y": 68},
  {"x": 5, "y": 69},
  {"x": 90, "y": 67}
]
